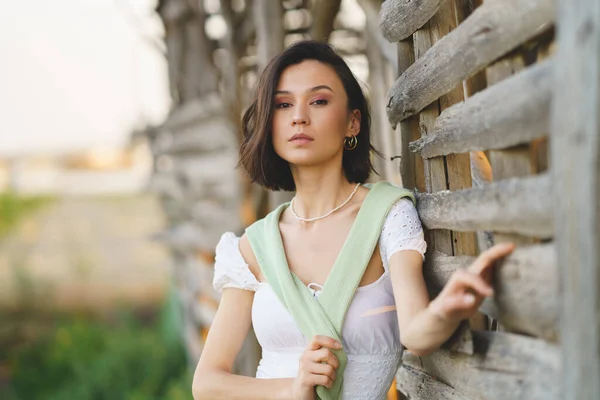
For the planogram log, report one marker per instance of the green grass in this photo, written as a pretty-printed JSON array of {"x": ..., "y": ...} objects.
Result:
[
  {"x": 14, "y": 207},
  {"x": 87, "y": 359}
]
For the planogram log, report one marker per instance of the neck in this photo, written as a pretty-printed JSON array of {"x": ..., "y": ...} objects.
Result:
[{"x": 319, "y": 191}]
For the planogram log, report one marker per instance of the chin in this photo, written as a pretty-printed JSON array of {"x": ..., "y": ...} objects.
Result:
[
  {"x": 309, "y": 157},
  {"x": 303, "y": 161}
]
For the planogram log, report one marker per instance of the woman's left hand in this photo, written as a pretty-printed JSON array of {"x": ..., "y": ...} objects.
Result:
[{"x": 466, "y": 289}]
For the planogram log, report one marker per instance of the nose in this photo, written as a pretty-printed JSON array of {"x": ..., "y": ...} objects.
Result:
[{"x": 300, "y": 117}]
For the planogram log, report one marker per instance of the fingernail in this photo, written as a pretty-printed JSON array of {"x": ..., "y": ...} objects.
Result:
[
  {"x": 338, "y": 345},
  {"x": 469, "y": 298}
]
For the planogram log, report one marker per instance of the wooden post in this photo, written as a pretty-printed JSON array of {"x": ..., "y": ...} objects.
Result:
[
  {"x": 268, "y": 19},
  {"x": 575, "y": 154}
]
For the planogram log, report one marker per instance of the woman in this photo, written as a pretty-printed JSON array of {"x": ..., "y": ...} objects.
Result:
[{"x": 307, "y": 130}]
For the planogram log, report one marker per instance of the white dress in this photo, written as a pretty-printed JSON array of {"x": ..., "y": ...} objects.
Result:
[{"x": 370, "y": 333}]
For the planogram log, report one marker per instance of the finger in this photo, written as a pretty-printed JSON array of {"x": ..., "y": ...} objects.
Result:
[
  {"x": 487, "y": 258},
  {"x": 321, "y": 380},
  {"x": 449, "y": 306},
  {"x": 323, "y": 369},
  {"x": 473, "y": 282},
  {"x": 325, "y": 355},
  {"x": 324, "y": 341}
]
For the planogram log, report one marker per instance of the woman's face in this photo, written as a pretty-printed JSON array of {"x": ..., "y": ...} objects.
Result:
[{"x": 311, "y": 117}]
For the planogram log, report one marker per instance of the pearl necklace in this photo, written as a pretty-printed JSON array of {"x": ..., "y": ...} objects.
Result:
[{"x": 322, "y": 216}]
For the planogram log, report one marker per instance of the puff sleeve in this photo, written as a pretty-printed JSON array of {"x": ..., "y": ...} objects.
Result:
[
  {"x": 402, "y": 230},
  {"x": 231, "y": 271}
]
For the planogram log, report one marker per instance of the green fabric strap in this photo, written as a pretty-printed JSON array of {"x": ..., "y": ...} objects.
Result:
[{"x": 325, "y": 315}]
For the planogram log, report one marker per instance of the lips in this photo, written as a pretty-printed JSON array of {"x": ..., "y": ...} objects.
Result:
[{"x": 300, "y": 136}]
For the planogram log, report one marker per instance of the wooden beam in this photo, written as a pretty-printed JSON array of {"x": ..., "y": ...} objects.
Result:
[
  {"x": 324, "y": 13},
  {"x": 526, "y": 296},
  {"x": 575, "y": 151},
  {"x": 520, "y": 206},
  {"x": 411, "y": 167},
  {"x": 493, "y": 29},
  {"x": 504, "y": 366},
  {"x": 388, "y": 50},
  {"x": 487, "y": 121},
  {"x": 400, "y": 18},
  {"x": 435, "y": 168},
  {"x": 458, "y": 169},
  {"x": 268, "y": 19}
]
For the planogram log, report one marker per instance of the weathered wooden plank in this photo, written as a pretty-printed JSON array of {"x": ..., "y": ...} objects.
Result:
[
  {"x": 420, "y": 385},
  {"x": 411, "y": 167},
  {"x": 575, "y": 151},
  {"x": 458, "y": 169},
  {"x": 517, "y": 160},
  {"x": 400, "y": 18},
  {"x": 513, "y": 206},
  {"x": 492, "y": 30},
  {"x": 504, "y": 366},
  {"x": 487, "y": 121},
  {"x": 434, "y": 168},
  {"x": 526, "y": 288}
]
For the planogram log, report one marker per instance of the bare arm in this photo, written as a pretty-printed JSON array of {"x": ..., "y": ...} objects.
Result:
[
  {"x": 213, "y": 378},
  {"x": 425, "y": 325}
]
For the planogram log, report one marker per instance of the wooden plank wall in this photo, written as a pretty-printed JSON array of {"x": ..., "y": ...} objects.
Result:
[
  {"x": 575, "y": 149},
  {"x": 477, "y": 76}
]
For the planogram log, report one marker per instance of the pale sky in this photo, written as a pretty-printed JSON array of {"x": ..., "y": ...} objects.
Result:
[{"x": 78, "y": 73}]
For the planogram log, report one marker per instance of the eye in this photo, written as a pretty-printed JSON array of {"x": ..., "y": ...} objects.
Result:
[
  {"x": 320, "y": 102},
  {"x": 282, "y": 105}
]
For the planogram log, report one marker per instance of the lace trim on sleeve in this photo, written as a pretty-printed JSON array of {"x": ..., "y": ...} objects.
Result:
[{"x": 231, "y": 271}]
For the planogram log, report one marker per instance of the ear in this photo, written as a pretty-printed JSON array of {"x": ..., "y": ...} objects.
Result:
[{"x": 354, "y": 125}]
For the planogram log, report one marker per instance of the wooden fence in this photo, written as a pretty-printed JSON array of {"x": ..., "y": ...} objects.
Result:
[{"x": 488, "y": 77}]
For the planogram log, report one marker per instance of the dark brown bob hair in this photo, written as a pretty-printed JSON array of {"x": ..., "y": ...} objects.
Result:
[{"x": 257, "y": 154}]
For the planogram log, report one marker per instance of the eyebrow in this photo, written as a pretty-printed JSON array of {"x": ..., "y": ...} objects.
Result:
[{"x": 314, "y": 89}]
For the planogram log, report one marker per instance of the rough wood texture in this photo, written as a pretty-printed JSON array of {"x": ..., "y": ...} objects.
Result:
[
  {"x": 492, "y": 30},
  {"x": 513, "y": 206},
  {"x": 411, "y": 167},
  {"x": 515, "y": 161},
  {"x": 435, "y": 168},
  {"x": 487, "y": 121},
  {"x": 575, "y": 150},
  {"x": 400, "y": 18},
  {"x": 382, "y": 132},
  {"x": 420, "y": 385},
  {"x": 504, "y": 366},
  {"x": 526, "y": 288},
  {"x": 458, "y": 170}
]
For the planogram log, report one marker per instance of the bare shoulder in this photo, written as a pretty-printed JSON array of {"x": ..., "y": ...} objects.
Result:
[{"x": 249, "y": 257}]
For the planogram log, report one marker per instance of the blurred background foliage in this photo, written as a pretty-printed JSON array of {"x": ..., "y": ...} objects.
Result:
[
  {"x": 14, "y": 207},
  {"x": 127, "y": 355}
]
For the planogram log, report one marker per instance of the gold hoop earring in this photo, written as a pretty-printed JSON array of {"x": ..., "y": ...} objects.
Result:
[{"x": 350, "y": 142}]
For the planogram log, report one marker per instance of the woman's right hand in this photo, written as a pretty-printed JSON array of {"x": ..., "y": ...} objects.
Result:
[
  {"x": 317, "y": 367},
  {"x": 466, "y": 289}
]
